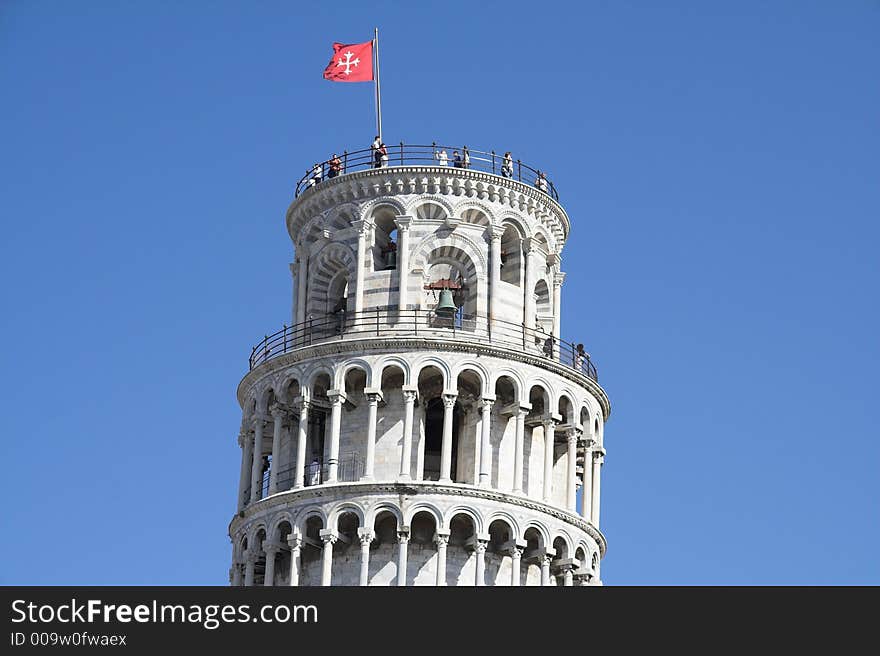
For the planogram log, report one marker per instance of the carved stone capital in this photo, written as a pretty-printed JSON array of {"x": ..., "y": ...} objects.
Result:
[
  {"x": 403, "y": 222},
  {"x": 441, "y": 539},
  {"x": 366, "y": 536},
  {"x": 449, "y": 399}
]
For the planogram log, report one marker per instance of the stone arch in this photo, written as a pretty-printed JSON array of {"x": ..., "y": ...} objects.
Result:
[
  {"x": 289, "y": 386},
  {"x": 369, "y": 209},
  {"x": 342, "y": 508},
  {"x": 341, "y": 217},
  {"x": 585, "y": 422},
  {"x": 424, "y": 506},
  {"x": 565, "y": 408},
  {"x": 510, "y": 520},
  {"x": 393, "y": 361},
  {"x": 310, "y": 511},
  {"x": 521, "y": 227},
  {"x": 426, "y": 361},
  {"x": 516, "y": 380},
  {"x": 475, "y": 213},
  {"x": 374, "y": 512},
  {"x": 318, "y": 377},
  {"x": 453, "y": 240},
  {"x": 542, "y": 531},
  {"x": 430, "y": 207},
  {"x": 543, "y": 304},
  {"x": 463, "y": 510},
  {"x": 332, "y": 270},
  {"x": 353, "y": 363},
  {"x": 278, "y": 520},
  {"x": 562, "y": 544},
  {"x": 479, "y": 369}
]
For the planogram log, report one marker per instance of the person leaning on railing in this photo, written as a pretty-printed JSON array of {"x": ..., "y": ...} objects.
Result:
[
  {"x": 507, "y": 165},
  {"x": 335, "y": 166},
  {"x": 580, "y": 357},
  {"x": 442, "y": 157},
  {"x": 541, "y": 182}
]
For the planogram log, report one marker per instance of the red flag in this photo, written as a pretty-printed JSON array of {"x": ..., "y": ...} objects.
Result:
[{"x": 351, "y": 63}]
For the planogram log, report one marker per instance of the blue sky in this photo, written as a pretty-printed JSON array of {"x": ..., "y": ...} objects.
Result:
[{"x": 719, "y": 164}]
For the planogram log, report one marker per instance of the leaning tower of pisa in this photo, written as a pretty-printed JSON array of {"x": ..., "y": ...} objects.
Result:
[{"x": 419, "y": 420}]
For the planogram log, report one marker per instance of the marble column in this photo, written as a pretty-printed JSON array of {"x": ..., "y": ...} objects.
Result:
[
  {"x": 250, "y": 563},
  {"x": 549, "y": 438},
  {"x": 519, "y": 447},
  {"x": 571, "y": 437},
  {"x": 587, "y": 487},
  {"x": 402, "y": 542},
  {"x": 373, "y": 398},
  {"x": 336, "y": 400},
  {"x": 557, "y": 312},
  {"x": 545, "y": 569},
  {"x": 567, "y": 576},
  {"x": 515, "y": 565},
  {"x": 446, "y": 448},
  {"x": 329, "y": 538},
  {"x": 236, "y": 573},
  {"x": 295, "y": 541},
  {"x": 363, "y": 229},
  {"x": 441, "y": 540},
  {"x": 302, "y": 258},
  {"x": 598, "y": 461},
  {"x": 485, "y": 443},
  {"x": 366, "y": 537},
  {"x": 480, "y": 551},
  {"x": 403, "y": 223},
  {"x": 409, "y": 399},
  {"x": 271, "y": 551},
  {"x": 495, "y": 233},
  {"x": 278, "y": 414},
  {"x": 257, "y": 464},
  {"x": 301, "y": 442},
  {"x": 247, "y": 449}
]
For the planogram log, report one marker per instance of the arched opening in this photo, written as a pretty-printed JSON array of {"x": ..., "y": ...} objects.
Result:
[
  {"x": 543, "y": 306},
  {"x": 460, "y": 558},
  {"x": 329, "y": 275},
  {"x": 316, "y": 442},
  {"x": 582, "y": 565},
  {"x": 310, "y": 554},
  {"x": 467, "y": 448},
  {"x": 498, "y": 560},
  {"x": 530, "y": 563},
  {"x": 260, "y": 564},
  {"x": 450, "y": 263},
  {"x": 389, "y": 425},
  {"x": 435, "y": 412},
  {"x": 353, "y": 440},
  {"x": 560, "y": 561},
  {"x": 533, "y": 445},
  {"x": 282, "y": 558},
  {"x": 431, "y": 385},
  {"x": 511, "y": 256},
  {"x": 346, "y": 551},
  {"x": 384, "y": 549},
  {"x": 503, "y": 436},
  {"x": 384, "y": 239},
  {"x": 421, "y": 566}
]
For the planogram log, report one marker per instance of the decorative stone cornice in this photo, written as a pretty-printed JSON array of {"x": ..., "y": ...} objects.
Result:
[
  {"x": 307, "y": 495},
  {"x": 361, "y": 345},
  {"x": 444, "y": 181}
]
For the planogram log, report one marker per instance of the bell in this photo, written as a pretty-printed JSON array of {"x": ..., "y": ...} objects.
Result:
[
  {"x": 391, "y": 260},
  {"x": 445, "y": 306}
]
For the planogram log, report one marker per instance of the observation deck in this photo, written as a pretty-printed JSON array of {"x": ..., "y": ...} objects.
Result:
[{"x": 391, "y": 322}]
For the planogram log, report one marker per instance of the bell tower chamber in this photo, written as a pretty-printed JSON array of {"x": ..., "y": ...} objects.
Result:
[{"x": 419, "y": 421}]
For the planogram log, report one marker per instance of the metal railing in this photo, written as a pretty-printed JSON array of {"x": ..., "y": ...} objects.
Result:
[
  {"x": 384, "y": 322},
  {"x": 349, "y": 468},
  {"x": 402, "y": 154}
]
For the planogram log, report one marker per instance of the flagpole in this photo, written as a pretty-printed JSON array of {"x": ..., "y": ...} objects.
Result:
[{"x": 378, "y": 92}]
